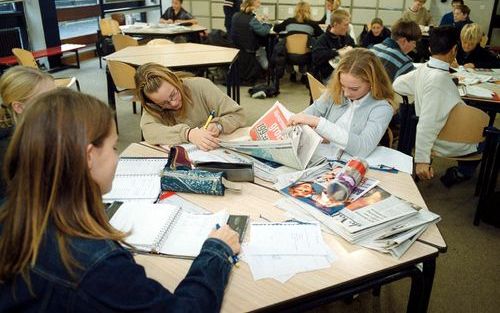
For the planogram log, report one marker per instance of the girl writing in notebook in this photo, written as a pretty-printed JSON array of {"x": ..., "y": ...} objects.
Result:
[
  {"x": 176, "y": 108},
  {"x": 58, "y": 251},
  {"x": 354, "y": 111},
  {"x": 18, "y": 85}
]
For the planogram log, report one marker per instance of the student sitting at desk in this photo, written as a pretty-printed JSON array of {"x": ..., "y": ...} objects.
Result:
[
  {"x": 470, "y": 54},
  {"x": 461, "y": 17},
  {"x": 18, "y": 85},
  {"x": 58, "y": 252},
  {"x": 377, "y": 33},
  {"x": 435, "y": 96},
  {"x": 301, "y": 22},
  {"x": 249, "y": 33},
  {"x": 335, "y": 42},
  {"x": 418, "y": 13},
  {"x": 393, "y": 51},
  {"x": 447, "y": 19},
  {"x": 330, "y": 7},
  {"x": 176, "y": 108},
  {"x": 354, "y": 112},
  {"x": 177, "y": 14}
]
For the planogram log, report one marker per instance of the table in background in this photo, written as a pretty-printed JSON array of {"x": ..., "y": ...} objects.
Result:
[
  {"x": 161, "y": 30},
  {"x": 52, "y": 51},
  {"x": 177, "y": 56},
  {"x": 355, "y": 269},
  {"x": 491, "y": 106}
]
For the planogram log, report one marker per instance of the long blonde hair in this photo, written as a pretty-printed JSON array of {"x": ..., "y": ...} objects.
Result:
[
  {"x": 365, "y": 65},
  {"x": 471, "y": 33},
  {"x": 49, "y": 184},
  {"x": 148, "y": 79},
  {"x": 21, "y": 83},
  {"x": 302, "y": 11}
]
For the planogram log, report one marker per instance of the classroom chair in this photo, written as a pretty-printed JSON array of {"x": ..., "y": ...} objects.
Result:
[
  {"x": 159, "y": 42},
  {"x": 25, "y": 58},
  {"x": 465, "y": 124},
  {"x": 316, "y": 88},
  {"x": 122, "y": 41},
  {"x": 107, "y": 28},
  {"x": 123, "y": 78},
  {"x": 298, "y": 51}
]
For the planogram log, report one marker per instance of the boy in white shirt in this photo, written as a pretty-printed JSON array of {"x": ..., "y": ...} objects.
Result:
[{"x": 435, "y": 96}]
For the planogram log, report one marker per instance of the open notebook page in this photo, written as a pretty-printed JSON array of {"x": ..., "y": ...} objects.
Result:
[
  {"x": 140, "y": 166},
  {"x": 190, "y": 231},
  {"x": 134, "y": 187},
  {"x": 145, "y": 221}
]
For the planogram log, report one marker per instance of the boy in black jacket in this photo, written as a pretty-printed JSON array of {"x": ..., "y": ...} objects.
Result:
[{"x": 331, "y": 44}]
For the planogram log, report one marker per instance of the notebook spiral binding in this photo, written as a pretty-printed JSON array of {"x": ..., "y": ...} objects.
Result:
[{"x": 165, "y": 231}]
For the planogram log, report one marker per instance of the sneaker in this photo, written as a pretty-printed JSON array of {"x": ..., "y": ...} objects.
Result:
[
  {"x": 259, "y": 95},
  {"x": 453, "y": 177}
]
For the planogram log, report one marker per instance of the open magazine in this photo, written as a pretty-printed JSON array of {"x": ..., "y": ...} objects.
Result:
[
  {"x": 313, "y": 193},
  {"x": 272, "y": 140}
]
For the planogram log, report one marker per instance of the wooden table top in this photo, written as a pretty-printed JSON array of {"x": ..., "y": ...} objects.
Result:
[
  {"x": 175, "y": 55},
  {"x": 243, "y": 293}
]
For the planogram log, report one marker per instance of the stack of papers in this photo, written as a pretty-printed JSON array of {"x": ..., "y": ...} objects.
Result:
[
  {"x": 378, "y": 220},
  {"x": 281, "y": 250}
]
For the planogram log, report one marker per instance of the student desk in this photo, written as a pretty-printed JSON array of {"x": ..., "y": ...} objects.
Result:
[
  {"x": 161, "y": 30},
  {"x": 492, "y": 106},
  {"x": 177, "y": 56},
  {"x": 354, "y": 270}
]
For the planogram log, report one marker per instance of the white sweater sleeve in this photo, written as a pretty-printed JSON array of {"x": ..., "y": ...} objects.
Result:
[{"x": 405, "y": 84}]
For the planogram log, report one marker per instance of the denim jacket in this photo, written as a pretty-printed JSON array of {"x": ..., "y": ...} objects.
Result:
[{"x": 109, "y": 280}]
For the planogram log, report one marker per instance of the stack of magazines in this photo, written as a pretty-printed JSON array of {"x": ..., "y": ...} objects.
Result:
[{"x": 371, "y": 217}]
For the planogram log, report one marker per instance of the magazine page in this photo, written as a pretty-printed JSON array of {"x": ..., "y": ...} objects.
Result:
[
  {"x": 314, "y": 194},
  {"x": 280, "y": 151},
  {"x": 271, "y": 124},
  {"x": 376, "y": 207},
  {"x": 309, "y": 142}
]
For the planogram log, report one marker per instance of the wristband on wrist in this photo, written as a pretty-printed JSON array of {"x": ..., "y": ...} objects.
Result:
[{"x": 187, "y": 135}]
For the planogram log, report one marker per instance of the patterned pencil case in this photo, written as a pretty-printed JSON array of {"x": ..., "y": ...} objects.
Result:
[
  {"x": 193, "y": 181},
  {"x": 179, "y": 176}
]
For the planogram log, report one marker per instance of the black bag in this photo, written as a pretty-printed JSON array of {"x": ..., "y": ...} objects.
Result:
[
  {"x": 270, "y": 91},
  {"x": 218, "y": 37}
]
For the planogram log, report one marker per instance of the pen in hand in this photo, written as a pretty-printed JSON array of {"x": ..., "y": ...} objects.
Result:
[
  {"x": 209, "y": 119},
  {"x": 233, "y": 258}
]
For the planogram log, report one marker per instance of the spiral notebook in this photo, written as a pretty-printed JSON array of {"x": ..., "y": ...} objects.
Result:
[
  {"x": 165, "y": 228},
  {"x": 137, "y": 179}
]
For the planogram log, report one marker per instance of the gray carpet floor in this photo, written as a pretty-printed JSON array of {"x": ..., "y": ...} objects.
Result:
[{"x": 467, "y": 275}]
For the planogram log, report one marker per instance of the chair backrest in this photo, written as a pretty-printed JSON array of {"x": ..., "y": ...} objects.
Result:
[
  {"x": 122, "y": 74},
  {"x": 465, "y": 124},
  {"x": 159, "y": 42},
  {"x": 122, "y": 41},
  {"x": 297, "y": 44},
  {"x": 24, "y": 58},
  {"x": 316, "y": 87},
  {"x": 109, "y": 27}
]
